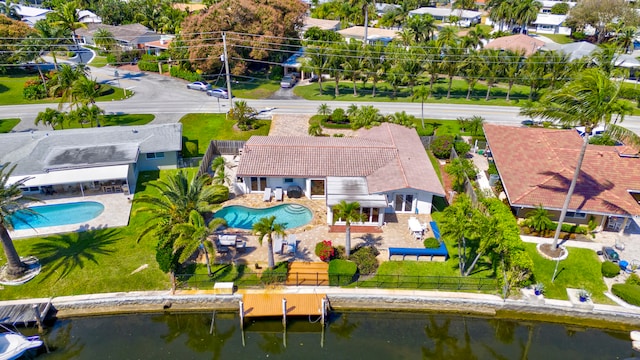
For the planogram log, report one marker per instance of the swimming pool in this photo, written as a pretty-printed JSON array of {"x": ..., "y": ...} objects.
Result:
[
  {"x": 242, "y": 217},
  {"x": 58, "y": 214}
]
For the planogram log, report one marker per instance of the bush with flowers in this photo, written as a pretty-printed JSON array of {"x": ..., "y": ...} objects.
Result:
[{"x": 325, "y": 250}]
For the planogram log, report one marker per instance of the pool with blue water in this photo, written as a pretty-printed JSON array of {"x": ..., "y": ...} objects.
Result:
[
  {"x": 242, "y": 217},
  {"x": 57, "y": 215}
]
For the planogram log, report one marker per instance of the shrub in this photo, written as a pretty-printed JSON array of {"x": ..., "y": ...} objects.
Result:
[
  {"x": 609, "y": 269},
  {"x": 341, "y": 272},
  {"x": 579, "y": 35},
  {"x": 428, "y": 130},
  {"x": 629, "y": 93},
  {"x": 324, "y": 250},
  {"x": 633, "y": 279},
  {"x": 431, "y": 243},
  {"x": 339, "y": 116},
  {"x": 462, "y": 148},
  {"x": 493, "y": 170},
  {"x": 33, "y": 90},
  {"x": 441, "y": 146},
  {"x": 147, "y": 64},
  {"x": 570, "y": 228},
  {"x": 365, "y": 259},
  {"x": 340, "y": 252},
  {"x": 276, "y": 275},
  {"x": 184, "y": 74},
  {"x": 629, "y": 293}
]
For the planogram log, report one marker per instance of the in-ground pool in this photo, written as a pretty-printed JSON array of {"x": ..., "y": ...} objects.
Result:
[
  {"x": 57, "y": 214},
  {"x": 242, "y": 217}
]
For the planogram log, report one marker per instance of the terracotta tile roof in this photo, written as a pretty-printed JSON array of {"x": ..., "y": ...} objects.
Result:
[
  {"x": 519, "y": 42},
  {"x": 390, "y": 157},
  {"x": 536, "y": 166}
]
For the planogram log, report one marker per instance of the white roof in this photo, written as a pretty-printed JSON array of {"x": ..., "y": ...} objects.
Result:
[
  {"x": 75, "y": 176},
  {"x": 28, "y": 11},
  {"x": 444, "y": 12},
  {"x": 550, "y": 3},
  {"x": 550, "y": 19}
]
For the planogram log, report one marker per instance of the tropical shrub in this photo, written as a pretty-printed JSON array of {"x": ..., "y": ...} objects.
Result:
[
  {"x": 33, "y": 90},
  {"x": 629, "y": 293},
  {"x": 341, "y": 272},
  {"x": 365, "y": 259},
  {"x": 441, "y": 146},
  {"x": 462, "y": 147},
  {"x": 493, "y": 170},
  {"x": 610, "y": 269},
  {"x": 276, "y": 275},
  {"x": 428, "y": 130},
  {"x": 633, "y": 279},
  {"x": 184, "y": 74},
  {"x": 148, "y": 63},
  {"x": 324, "y": 250},
  {"x": 431, "y": 243}
]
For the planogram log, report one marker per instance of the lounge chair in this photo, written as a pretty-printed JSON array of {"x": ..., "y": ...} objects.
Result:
[
  {"x": 267, "y": 194},
  {"x": 278, "y": 194}
]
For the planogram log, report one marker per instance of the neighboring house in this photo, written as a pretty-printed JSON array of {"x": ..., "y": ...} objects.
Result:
[
  {"x": 582, "y": 49},
  {"x": 536, "y": 166},
  {"x": 466, "y": 18},
  {"x": 386, "y": 169},
  {"x": 518, "y": 42},
  {"x": 382, "y": 8},
  {"x": 551, "y": 24},
  {"x": 309, "y": 22},
  {"x": 158, "y": 46},
  {"x": 87, "y": 159},
  {"x": 547, "y": 5},
  {"x": 88, "y": 17},
  {"x": 373, "y": 34},
  {"x": 29, "y": 14},
  {"x": 129, "y": 37}
]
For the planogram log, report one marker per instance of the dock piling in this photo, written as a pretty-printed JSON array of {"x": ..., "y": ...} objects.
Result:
[{"x": 38, "y": 316}]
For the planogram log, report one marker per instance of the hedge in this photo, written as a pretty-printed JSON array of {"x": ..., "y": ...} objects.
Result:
[
  {"x": 276, "y": 275},
  {"x": 609, "y": 269},
  {"x": 441, "y": 146},
  {"x": 629, "y": 293},
  {"x": 431, "y": 243},
  {"x": 184, "y": 74},
  {"x": 365, "y": 259},
  {"x": 342, "y": 272}
]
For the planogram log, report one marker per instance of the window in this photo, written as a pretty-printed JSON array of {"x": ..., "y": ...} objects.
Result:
[
  {"x": 576, "y": 215},
  {"x": 258, "y": 184},
  {"x": 288, "y": 180},
  {"x": 317, "y": 187},
  {"x": 403, "y": 202},
  {"x": 157, "y": 155}
]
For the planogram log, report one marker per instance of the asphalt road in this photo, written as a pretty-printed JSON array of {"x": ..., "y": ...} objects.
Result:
[{"x": 169, "y": 99}]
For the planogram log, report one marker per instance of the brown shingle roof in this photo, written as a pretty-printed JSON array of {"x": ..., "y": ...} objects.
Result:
[
  {"x": 519, "y": 42},
  {"x": 536, "y": 167},
  {"x": 390, "y": 157}
]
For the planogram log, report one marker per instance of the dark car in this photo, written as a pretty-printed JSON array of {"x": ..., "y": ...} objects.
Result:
[{"x": 610, "y": 254}]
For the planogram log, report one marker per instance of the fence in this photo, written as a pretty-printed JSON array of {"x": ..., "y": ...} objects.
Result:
[
  {"x": 217, "y": 148},
  {"x": 249, "y": 279},
  {"x": 427, "y": 140}
]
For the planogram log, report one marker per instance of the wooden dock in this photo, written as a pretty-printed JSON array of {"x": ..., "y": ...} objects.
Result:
[
  {"x": 262, "y": 305},
  {"x": 308, "y": 273},
  {"x": 24, "y": 313}
]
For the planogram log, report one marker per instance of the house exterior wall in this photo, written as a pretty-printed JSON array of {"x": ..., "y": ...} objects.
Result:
[
  {"x": 554, "y": 215},
  {"x": 169, "y": 161},
  {"x": 379, "y": 222},
  {"x": 552, "y": 29},
  {"x": 421, "y": 202}
]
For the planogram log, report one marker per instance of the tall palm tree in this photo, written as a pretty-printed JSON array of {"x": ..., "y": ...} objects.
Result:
[
  {"x": 471, "y": 68},
  {"x": 85, "y": 91},
  {"x": 421, "y": 27},
  {"x": 452, "y": 63},
  {"x": 52, "y": 38},
  {"x": 454, "y": 225},
  {"x": 63, "y": 82},
  {"x": 526, "y": 12},
  {"x": 349, "y": 213},
  {"x": 353, "y": 62},
  {"x": 30, "y": 49},
  {"x": 422, "y": 93},
  {"x": 492, "y": 68},
  {"x": 534, "y": 72},
  {"x": 193, "y": 235},
  {"x": 365, "y": 6},
  {"x": 375, "y": 63},
  {"x": 51, "y": 117},
  {"x": 591, "y": 99},
  {"x": 512, "y": 67},
  {"x": 66, "y": 17},
  {"x": 267, "y": 227},
  {"x": 317, "y": 59},
  {"x": 12, "y": 200},
  {"x": 104, "y": 39}
]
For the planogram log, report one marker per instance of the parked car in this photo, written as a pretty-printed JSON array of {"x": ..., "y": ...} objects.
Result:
[
  {"x": 313, "y": 78},
  {"x": 199, "y": 85},
  {"x": 219, "y": 93},
  {"x": 610, "y": 254},
  {"x": 288, "y": 81}
]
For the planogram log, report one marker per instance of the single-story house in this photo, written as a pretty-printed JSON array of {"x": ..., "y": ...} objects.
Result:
[
  {"x": 322, "y": 24},
  {"x": 91, "y": 159},
  {"x": 158, "y": 46},
  {"x": 386, "y": 169},
  {"x": 129, "y": 37},
  {"x": 518, "y": 42},
  {"x": 373, "y": 34},
  {"x": 536, "y": 166},
  {"x": 551, "y": 24},
  {"x": 465, "y": 18},
  {"x": 88, "y": 17},
  {"x": 548, "y": 4}
]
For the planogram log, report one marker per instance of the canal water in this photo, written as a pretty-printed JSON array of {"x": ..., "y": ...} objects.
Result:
[{"x": 357, "y": 335}]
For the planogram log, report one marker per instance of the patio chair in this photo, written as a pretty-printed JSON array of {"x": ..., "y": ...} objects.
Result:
[
  {"x": 267, "y": 194},
  {"x": 278, "y": 194}
]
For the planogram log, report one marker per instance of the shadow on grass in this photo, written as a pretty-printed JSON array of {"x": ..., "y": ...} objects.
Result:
[
  {"x": 63, "y": 253},
  {"x": 3, "y": 88}
]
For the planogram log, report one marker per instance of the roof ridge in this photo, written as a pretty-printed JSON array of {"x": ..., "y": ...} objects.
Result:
[{"x": 396, "y": 154}]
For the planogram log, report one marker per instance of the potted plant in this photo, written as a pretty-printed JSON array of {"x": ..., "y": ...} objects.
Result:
[
  {"x": 538, "y": 289},
  {"x": 584, "y": 295}
]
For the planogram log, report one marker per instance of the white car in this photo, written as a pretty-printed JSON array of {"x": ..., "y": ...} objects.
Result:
[
  {"x": 218, "y": 93},
  {"x": 199, "y": 85}
]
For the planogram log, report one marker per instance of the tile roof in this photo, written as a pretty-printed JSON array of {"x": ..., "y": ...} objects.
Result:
[
  {"x": 390, "y": 157},
  {"x": 519, "y": 42},
  {"x": 536, "y": 166}
]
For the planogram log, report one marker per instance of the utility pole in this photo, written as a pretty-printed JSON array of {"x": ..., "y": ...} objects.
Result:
[{"x": 225, "y": 58}]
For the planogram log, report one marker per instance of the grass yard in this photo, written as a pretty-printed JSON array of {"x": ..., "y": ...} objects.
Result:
[
  {"x": 98, "y": 61},
  {"x": 385, "y": 91},
  {"x": 581, "y": 269},
  {"x": 7, "y": 124},
  {"x": 560, "y": 39},
  {"x": 436, "y": 165},
  {"x": 11, "y": 86},
  {"x": 96, "y": 261},
  {"x": 199, "y": 129},
  {"x": 118, "y": 120},
  {"x": 257, "y": 89}
]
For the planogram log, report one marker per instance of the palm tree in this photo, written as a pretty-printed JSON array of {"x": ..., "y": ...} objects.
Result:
[
  {"x": 533, "y": 73},
  {"x": 10, "y": 9},
  {"x": 432, "y": 63},
  {"x": 626, "y": 36},
  {"x": 538, "y": 219},
  {"x": 590, "y": 99},
  {"x": 63, "y": 82},
  {"x": 474, "y": 38},
  {"x": 193, "y": 235},
  {"x": 30, "y": 49},
  {"x": 375, "y": 63},
  {"x": 267, "y": 227},
  {"x": 460, "y": 169},
  {"x": 66, "y": 17},
  {"x": 104, "y": 39},
  {"x": 556, "y": 69},
  {"x": 365, "y": 6},
  {"x": 421, "y": 27},
  {"x": 492, "y": 68},
  {"x": 85, "y": 91},
  {"x": 243, "y": 114},
  {"x": 454, "y": 225},
  {"x": 86, "y": 114},
  {"x": 51, "y": 36},
  {"x": 452, "y": 63},
  {"x": 475, "y": 124},
  {"x": 353, "y": 62},
  {"x": 526, "y": 12},
  {"x": 324, "y": 109},
  {"x": 316, "y": 60},
  {"x": 347, "y": 212},
  {"x": 512, "y": 66},
  {"x": 471, "y": 68},
  {"x": 422, "y": 93},
  {"x": 12, "y": 200},
  {"x": 51, "y": 117}
]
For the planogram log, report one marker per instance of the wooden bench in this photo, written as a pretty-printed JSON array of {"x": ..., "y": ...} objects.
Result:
[{"x": 223, "y": 288}]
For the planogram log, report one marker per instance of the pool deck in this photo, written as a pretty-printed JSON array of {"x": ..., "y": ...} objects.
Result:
[{"x": 117, "y": 208}]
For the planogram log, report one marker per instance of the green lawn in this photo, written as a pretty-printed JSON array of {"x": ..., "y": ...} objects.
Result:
[
  {"x": 118, "y": 120},
  {"x": 95, "y": 261},
  {"x": 256, "y": 89},
  {"x": 199, "y": 129},
  {"x": 560, "y": 39},
  {"x": 436, "y": 165},
  {"x": 98, "y": 61},
  {"x": 11, "y": 86},
  {"x": 7, "y": 124},
  {"x": 384, "y": 93},
  {"x": 581, "y": 269}
]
